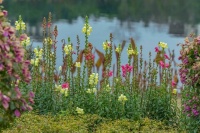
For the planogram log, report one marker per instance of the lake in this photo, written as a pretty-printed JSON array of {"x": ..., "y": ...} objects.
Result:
[{"x": 147, "y": 22}]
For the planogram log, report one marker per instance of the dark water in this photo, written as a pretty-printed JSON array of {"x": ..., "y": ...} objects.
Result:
[{"x": 147, "y": 21}]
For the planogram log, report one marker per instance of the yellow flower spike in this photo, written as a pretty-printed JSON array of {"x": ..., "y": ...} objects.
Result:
[
  {"x": 118, "y": 49},
  {"x": 89, "y": 91},
  {"x": 174, "y": 91},
  {"x": 78, "y": 64},
  {"x": 122, "y": 98},
  {"x": 88, "y": 31},
  {"x": 162, "y": 45}
]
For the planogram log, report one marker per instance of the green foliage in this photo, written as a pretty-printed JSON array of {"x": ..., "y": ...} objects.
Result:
[{"x": 32, "y": 122}]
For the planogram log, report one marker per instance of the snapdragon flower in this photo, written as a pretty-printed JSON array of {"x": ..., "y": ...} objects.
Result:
[
  {"x": 87, "y": 29},
  {"x": 162, "y": 45},
  {"x": 122, "y": 98},
  {"x": 68, "y": 48},
  {"x": 79, "y": 110},
  {"x": 93, "y": 79}
]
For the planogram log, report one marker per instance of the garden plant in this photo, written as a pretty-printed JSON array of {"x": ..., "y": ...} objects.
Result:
[{"x": 91, "y": 91}]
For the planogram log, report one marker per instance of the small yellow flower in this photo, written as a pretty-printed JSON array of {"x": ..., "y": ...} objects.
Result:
[
  {"x": 118, "y": 49},
  {"x": 87, "y": 29},
  {"x": 89, "y": 91},
  {"x": 93, "y": 79},
  {"x": 163, "y": 45},
  {"x": 78, "y": 64},
  {"x": 35, "y": 62},
  {"x": 174, "y": 91},
  {"x": 68, "y": 49},
  {"x": 107, "y": 88},
  {"x": 25, "y": 42},
  {"x": 106, "y": 45},
  {"x": 58, "y": 87},
  {"x": 20, "y": 25},
  {"x": 122, "y": 98},
  {"x": 79, "y": 110},
  {"x": 132, "y": 52}
]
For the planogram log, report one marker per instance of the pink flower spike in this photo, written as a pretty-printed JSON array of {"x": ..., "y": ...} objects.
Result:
[
  {"x": 167, "y": 65},
  {"x": 162, "y": 64},
  {"x": 173, "y": 83},
  {"x": 17, "y": 113},
  {"x": 65, "y": 85},
  {"x": 166, "y": 56},
  {"x": 110, "y": 73},
  {"x": 157, "y": 49}
]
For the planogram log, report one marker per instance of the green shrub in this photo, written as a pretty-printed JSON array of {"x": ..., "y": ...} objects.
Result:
[{"x": 32, "y": 123}]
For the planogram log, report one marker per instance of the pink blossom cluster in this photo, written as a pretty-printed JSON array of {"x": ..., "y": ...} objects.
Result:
[
  {"x": 126, "y": 69},
  {"x": 14, "y": 68},
  {"x": 189, "y": 57}
]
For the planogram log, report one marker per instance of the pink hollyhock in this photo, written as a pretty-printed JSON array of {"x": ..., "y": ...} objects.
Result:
[
  {"x": 65, "y": 85},
  {"x": 157, "y": 49},
  {"x": 166, "y": 56},
  {"x": 17, "y": 113}
]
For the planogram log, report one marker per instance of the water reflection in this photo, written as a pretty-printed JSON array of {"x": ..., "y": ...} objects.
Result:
[
  {"x": 148, "y": 37},
  {"x": 148, "y": 22}
]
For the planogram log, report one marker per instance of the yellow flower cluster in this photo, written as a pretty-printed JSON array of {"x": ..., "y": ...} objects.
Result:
[
  {"x": 68, "y": 49},
  {"x": 20, "y": 25},
  {"x": 132, "y": 52},
  {"x": 174, "y": 91},
  {"x": 118, "y": 49},
  {"x": 122, "y": 98},
  {"x": 93, "y": 80},
  {"x": 162, "y": 45},
  {"x": 26, "y": 42},
  {"x": 61, "y": 90},
  {"x": 79, "y": 110},
  {"x": 87, "y": 29},
  {"x": 78, "y": 64},
  {"x": 106, "y": 45},
  {"x": 38, "y": 54},
  {"x": 107, "y": 88},
  {"x": 94, "y": 90},
  {"x": 48, "y": 40}
]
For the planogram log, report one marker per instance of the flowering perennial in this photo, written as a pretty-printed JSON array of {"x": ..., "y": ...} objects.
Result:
[
  {"x": 106, "y": 45},
  {"x": 126, "y": 69},
  {"x": 93, "y": 79},
  {"x": 132, "y": 52},
  {"x": 122, "y": 98},
  {"x": 68, "y": 49},
  {"x": 87, "y": 29},
  {"x": 162, "y": 45}
]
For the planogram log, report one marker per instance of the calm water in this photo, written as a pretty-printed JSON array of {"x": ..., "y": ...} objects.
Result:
[{"x": 165, "y": 21}]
